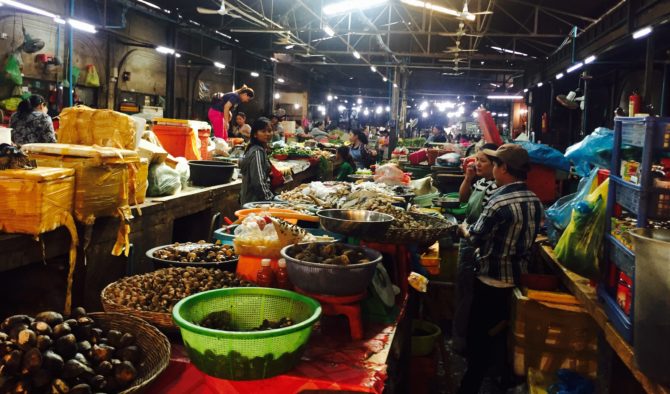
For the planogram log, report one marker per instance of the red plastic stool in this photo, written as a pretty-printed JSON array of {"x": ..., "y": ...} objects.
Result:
[{"x": 348, "y": 306}]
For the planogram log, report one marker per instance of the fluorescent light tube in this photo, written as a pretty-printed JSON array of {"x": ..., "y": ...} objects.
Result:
[
  {"x": 83, "y": 26},
  {"x": 219, "y": 65},
  {"x": 349, "y": 5},
  {"x": 328, "y": 30},
  {"x": 152, "y": 5},
  {"x": 357, "y": 55},
  {"x": 29, "y": 8},
  {"x": 504, "y": 97},
  {"x": 559, "y": 75},
  {"x": 642, "y": 32},
  {"x": 373, "y": 69},
  {"x": 575, "y": 67},
  {"x": 589, "y": 59},
  {"x": 165, "y": 50}
]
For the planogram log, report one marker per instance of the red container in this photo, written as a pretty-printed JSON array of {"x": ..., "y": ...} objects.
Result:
[
  {"x": 542, "y": 181},
  {"x": 204, "y": 135},
  {"x": 603, "y": 174},
  {"x": 418, "y": 157},
  {"x": 178, "y": 141}
]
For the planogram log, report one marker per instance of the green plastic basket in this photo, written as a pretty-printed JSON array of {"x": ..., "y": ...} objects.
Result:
[{"x": 252, "y": 354}]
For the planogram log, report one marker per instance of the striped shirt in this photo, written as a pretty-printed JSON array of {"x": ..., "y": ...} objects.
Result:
[
  {"x": 488, "y": 186},
  {"x": 505, "y": 232}
]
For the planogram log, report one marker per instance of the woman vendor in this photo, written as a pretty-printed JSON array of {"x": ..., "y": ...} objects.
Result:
[
  {"x": 220, "y": 113},
  {"x": 241, "y": 129},
  {"x": 476, "y": 194},
  {"x": 30, "y": 123},
  {"x": 255, "y": 165},
  {"x": 347, "y": 165},
  {"x": 363, "y": 157}
]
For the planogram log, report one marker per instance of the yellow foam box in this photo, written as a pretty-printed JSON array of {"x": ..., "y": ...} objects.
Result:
[
  {"x": 138, "y": 192},
  {"x": 103, "y": 127},
  {"x": 102, "y": 175},
  {"x": 35, "y": 201}
]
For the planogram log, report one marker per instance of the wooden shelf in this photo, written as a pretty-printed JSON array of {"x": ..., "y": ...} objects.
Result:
[{"x": 586, "y": 294}]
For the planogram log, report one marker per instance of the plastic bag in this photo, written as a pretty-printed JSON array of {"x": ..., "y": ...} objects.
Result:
[
  {"x": 92, "y": 78},
  {"x": 12, "y": 69},
  {"x": 163, "y": 181},
  {"x": 390, "y": 174},
  {"x": 10, "y": 104},
  {"x": 184, "y": 171},
  {"x": 559, "y": 213},
  {"x": 546, "y": 156},
  {"x": 579, "y": 246},
  {"x": 595, "y": 149}
]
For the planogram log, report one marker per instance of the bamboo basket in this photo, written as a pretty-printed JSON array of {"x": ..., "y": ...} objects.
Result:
[
  {"x": 154, "y": 345},
  {"x": 162, "y": 320}
]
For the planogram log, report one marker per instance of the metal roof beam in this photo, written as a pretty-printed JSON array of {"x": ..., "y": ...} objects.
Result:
[
  {"x": 399, "y": 32},
  {"x": 541, "y": 7}
]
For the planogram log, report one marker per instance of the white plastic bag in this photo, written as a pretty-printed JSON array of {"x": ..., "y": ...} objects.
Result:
[
  {"x": 184, "y": 171},
  {"x": 390, "y": 174}
]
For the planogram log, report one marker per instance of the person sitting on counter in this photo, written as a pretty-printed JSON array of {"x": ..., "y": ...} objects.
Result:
[
  {"x": 30, "y": 123},
  {"x": 347, "y": 164},
  {"x": 255, "y": 165},
  {"x": 241, "y": 129}
]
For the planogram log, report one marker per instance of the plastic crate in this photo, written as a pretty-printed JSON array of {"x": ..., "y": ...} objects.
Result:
[
  {"x": 542, "y": 181},
  {"x": 621, "y": 323},
  {"x": 634, "y": 131},
  {"x": 659, "y": 203},
  {"x": 627, "y": 194},
  {"x": 621, "y": 256}
]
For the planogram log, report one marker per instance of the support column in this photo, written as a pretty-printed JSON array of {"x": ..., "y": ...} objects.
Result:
[
  {"x": 170, "y": 99},
  {"x": 70, "y": 55},
  {"x": 648, "y": 72}
]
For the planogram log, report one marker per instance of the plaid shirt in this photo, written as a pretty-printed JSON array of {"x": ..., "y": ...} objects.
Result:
[{"x": 505, "y": 232}]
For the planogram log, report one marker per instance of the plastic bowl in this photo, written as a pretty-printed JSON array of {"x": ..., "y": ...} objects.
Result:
[
  {"x": 210, "y": 172},
  {"x": 422, "y": 345},
  {"x": 354, "y": 223},
  {"x": 328, "y": 279},
  {"x": 250, "y": 354}
]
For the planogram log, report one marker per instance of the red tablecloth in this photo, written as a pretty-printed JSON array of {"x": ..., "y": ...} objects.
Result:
[{"x": 332, "y": 361}]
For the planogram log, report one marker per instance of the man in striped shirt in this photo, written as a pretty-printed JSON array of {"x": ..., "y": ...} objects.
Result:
[{"x": 503, "y": 235}]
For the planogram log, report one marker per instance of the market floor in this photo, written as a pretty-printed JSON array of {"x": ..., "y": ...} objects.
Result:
[{"x": 451, "y": 370}]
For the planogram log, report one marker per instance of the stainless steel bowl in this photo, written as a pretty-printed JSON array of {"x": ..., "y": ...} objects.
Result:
[{"x": 354, "y": 223}]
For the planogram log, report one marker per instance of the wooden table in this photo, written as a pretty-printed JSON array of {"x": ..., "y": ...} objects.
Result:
[
  {"x": 586, "y": 294},
  {"x": 33, "y": 271}
]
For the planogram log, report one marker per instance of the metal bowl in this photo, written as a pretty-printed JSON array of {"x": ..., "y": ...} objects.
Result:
[
  {"x": 328, "y": 279},
  {"x": 355, "y": 223}
]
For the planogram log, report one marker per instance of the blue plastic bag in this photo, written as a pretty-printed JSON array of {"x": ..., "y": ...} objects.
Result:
[
  {"x": 559, "y": 213},
  {"x": 545, "y": 155},
  {"x": 595, "y": 149},
  {"x": 570, "y": 382}
]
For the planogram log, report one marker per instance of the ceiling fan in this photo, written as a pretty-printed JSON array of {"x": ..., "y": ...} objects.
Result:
[
  {"x": 221, "y": 11},
  {"x": 470, "y": 16},
  {"x": 457, "y": 48},
  {"x": 455, "y": 60}
]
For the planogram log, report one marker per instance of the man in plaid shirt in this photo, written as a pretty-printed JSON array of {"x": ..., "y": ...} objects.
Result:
[{"x": 503, "y": 235}]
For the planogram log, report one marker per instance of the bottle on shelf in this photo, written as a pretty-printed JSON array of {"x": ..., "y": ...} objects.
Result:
[
  {"x": 283, "y": 281},
  {"x": 265, "y": 276}
]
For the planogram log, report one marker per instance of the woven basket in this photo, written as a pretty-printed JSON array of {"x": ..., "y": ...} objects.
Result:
[
  {"x": 435, "y": 229},
  {"x": 154, "y": 345},
  {"x": 162, "y": 320}
]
